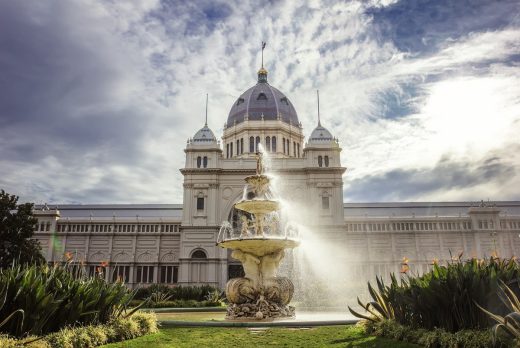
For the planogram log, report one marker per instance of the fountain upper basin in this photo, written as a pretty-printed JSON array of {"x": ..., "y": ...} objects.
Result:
[
  {"x": 258, "y": 206},
  {"x": 260, "y": 246}
]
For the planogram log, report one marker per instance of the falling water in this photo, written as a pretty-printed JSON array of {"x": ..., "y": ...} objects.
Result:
[{"x": 319, "y": 266}]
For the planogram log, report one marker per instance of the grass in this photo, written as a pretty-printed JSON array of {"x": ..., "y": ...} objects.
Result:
[{"x": 325, "y": 336}]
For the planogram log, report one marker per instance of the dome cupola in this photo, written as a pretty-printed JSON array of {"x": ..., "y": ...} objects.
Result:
[
  {"x": 262, "y": 102},
  {"x": 320, "y": 134},
  {"x": 205, "y": 134}
]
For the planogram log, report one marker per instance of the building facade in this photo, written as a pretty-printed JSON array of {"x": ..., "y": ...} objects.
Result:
[{"x": 176, "y": 244}]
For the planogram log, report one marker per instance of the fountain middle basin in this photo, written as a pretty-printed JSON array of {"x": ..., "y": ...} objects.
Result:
[{"x": 260, "y": 246}]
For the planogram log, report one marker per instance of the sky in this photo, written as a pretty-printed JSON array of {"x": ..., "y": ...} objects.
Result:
[{"x": 98, "y": 98}]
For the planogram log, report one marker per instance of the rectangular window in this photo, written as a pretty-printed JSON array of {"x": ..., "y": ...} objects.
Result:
[
  {"x": 121, "y": 273},
  {"x": 200, "y": 203},
  {"x": 144, "y": 274},
  {"x": 324, "y": 202},
  {"x": 169, "y": 274}
]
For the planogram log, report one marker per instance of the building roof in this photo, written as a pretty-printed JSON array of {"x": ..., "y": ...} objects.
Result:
[
  {"x": 262, "y": 101},
  {"x": 204, "y": 135},
  {"x": 410, "y": 209},
  {"x": 320, "y": 134},
  {"x": 173, "y": 211},
  {"x": 352, "y": 210}
]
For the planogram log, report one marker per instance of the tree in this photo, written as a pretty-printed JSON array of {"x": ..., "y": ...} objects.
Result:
[{"x": 16, "y": 229}]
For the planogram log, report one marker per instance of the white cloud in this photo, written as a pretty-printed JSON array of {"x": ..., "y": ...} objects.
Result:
[{"x": 166, "y": 60}]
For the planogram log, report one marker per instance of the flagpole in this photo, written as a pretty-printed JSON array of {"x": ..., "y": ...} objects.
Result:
[{"x": 206, "y": 123}]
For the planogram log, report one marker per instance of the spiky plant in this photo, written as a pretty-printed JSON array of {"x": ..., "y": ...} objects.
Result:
[
  {"x": 510, "y": 323},
  {"x": 379, "y": 308}
]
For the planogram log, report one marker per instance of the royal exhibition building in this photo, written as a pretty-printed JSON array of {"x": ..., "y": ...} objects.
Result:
[{"x": 176, "y": 243}]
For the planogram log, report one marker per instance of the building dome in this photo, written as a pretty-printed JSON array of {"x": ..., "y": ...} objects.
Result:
[
  {"x": 204, "y": 135},
  {"x": 262, "y": 100},
  {"x": 320, "y": 134}
]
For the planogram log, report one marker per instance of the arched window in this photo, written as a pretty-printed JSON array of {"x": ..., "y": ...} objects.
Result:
[
  {"x": 273, "y": 144},
  {"x": 241, "y": 145},
  {"x": 251, "y": 144},
  {"x": 238, "y": 147},
  {"x": 231, "y": 149},
  {"x": 294, "y": 148},
  {"x": 198, "y": 162},
  {"x": 326, "y": 161},
  {"x": 283, "y": 141},
  {"x": 227, "y": 150},
  {"x": 257, "y": 143},
  {"x": 320, "y": 161},
  {"x": 298, "y": 147},
  {"x": 268, "y": 144},
  {"x": 199, "y": 254},
  {"x": 288, "y": 147},
  {"x": 205, "y": 161}
]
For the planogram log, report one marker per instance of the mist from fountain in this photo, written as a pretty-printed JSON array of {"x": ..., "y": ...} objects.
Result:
[{"x": 319, "y": 266}]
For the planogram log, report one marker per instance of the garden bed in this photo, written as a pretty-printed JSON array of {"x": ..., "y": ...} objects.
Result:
[{"x": 117, "y": 330}]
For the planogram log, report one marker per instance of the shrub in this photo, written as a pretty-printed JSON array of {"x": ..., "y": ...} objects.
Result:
[
  {"x": 125, "y": 329},
  {"x": 56, "y": 297},
  {"x": 118, "y": 329},
  {"x": 445, "y": 297},
  {"x": 147, "y": 322},
  {"x": 7, "y": 342},
  {"x": 436, "y": 338}
]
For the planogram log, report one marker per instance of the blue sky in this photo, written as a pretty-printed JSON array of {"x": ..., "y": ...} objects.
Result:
[{"x": 99, "y": 97}]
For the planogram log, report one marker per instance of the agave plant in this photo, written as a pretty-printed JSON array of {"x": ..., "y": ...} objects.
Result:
[
  {"x": 380, "y": 308},
  {"x": 445, "y": 297},
  {"x": 509, "y": 323},
  {"x": 215, "y": 297},
  {"x": 54, "y": 297},
  {"x": 19, "y": 312},
  {"x": 158, "y": 297}
]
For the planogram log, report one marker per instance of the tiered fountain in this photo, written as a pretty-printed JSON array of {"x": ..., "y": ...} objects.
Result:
[{"x": 259, "y": 243}]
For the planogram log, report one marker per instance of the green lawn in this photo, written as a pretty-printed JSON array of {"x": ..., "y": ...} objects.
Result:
[{"x": 325, "y": 336}]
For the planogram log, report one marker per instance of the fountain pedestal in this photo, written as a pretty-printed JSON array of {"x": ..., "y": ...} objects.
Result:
[{"x": 260, "y": 247}]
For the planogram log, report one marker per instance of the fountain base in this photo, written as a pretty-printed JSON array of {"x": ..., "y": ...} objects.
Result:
[
  {"x": 259, "y": 311},
  {"x": 267, "y": 301}
]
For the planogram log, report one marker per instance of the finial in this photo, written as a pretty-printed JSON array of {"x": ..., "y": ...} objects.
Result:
[
  {"x": 206, "y": 123},
  {"x": 262, "y": 73},
  {"x": 318, "y": 95}
]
